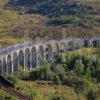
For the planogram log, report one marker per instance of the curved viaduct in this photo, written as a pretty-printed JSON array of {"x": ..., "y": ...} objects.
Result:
[{"x": 29, "y": 55}]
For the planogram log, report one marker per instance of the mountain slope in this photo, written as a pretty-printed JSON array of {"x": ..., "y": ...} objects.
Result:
[
  {"x": 75, "y": 10},
  {"x": 48, "y": 19}
]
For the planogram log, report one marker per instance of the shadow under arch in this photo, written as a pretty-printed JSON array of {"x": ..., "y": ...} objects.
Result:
[
  {"x": 95, "y": 43},
  {"x": 15, "y": 62},
  {"x": 56, "y": 51},
  {"x": 71, "y": 46},
  {"x": 9, "y": 64},
  {"x": 34, "y": 57},
  {"x": 4, "y": 66},
  {"x": 63, "y": 47},
  {"x": 40, "y": 55},
  {"x": 0, "y": 68},
  {"x": 49, "y": 53},
  {"x": 27, "y": 59},
  {"x": 86, "y": 43},
  {"x": 21, "y": 58}
]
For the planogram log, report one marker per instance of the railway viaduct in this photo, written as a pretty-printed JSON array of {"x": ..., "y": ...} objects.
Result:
[{"x": 30, "y": 55}]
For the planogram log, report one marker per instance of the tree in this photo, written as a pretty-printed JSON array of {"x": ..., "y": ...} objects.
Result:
[
  {"x": 79, "y": 67},
  {"x": 59, "y": 70},
  {"x": 91, "y": 95},
  {"x": 89, "y": 69},
  {"x": 56, "y": 79}
]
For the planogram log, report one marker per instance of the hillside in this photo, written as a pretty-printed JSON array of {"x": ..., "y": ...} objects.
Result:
[
  {"x": 78, "y": 12},
  {"x": 48, "y": 19}
]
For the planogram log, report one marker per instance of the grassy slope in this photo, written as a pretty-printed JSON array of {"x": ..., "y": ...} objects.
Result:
[
  {"x": 44, "y": 91},
  {"x": 6, "y": 96},
  {"x": 13, "y": 27},
  {"x": 48, "y": 92}
]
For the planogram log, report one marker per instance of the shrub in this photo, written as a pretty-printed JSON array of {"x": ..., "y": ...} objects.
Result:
[
  {"x": 59, "y": 70},
  {"x": 33, "y": 75},
  {"x": 56, "y": 79},
  {"x": 79, "y": 67},
  {"x": 91, "y": 95},
  {"x": 41, "y": 73},
  {"x": 11, "y": 78},
  {"x": 70, "y": 79},
  {"x": 97, "y": 75},
  {"x": 24, "y": 75}
]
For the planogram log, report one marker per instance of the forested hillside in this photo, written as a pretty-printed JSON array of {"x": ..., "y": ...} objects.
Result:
[{"x": 48, "y": 19}]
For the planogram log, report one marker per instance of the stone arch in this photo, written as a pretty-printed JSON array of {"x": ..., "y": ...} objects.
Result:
[
  {"x": 34, "y": 57},
  {"x": 63, "y": 47},
  {"x": 40, "y": 54},
  {"x": 86, "y": 43},
  {"x": 71, "y": 45},
  {"x": 9, "y": 64},
  {"x": 78, "y": 44},
  {"x": 95, "y": 43},
  {"x": 4, "y": 66},
  {"x": 27, "y": 59},
  {"x": 49, "y": 54},
  {"x": 0, "y": 68},
  {"x": 56, "y": 51},
  {"x": 15, "y": 62},
  {"x": 21, "y": 58}
]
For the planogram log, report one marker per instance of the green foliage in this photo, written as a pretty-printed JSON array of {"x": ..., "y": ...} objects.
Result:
[
  {"x": 97, "y": 75},
  {"x": 73, "y": 20},
  {"x": 79, "y": 67},
  {"x": 58, "y": 69},
  {"x": 91, "y": 95},
  {"x": 22, "y": 74},
  {"x": 57, "y": 97},
  {"x": 47, "y": 73},
  {"x": 5, "y": 96},
  {"x": 41, "y": 73},
  {"x": 56, "y": 79},
  {"x": 73, "y": 80},
  {"x": 12, "y": 78}
]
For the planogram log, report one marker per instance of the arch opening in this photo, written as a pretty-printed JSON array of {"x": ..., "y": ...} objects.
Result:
[
  {"x": 34, "y": 57},
  {"x": 27, "y": 59},
  {"x": 9, "y": 64},
  {"x": 49, "y": 53},
  {"x": 0, "y": 68},
  {"x": 21, "y": 58},
  {"x": 4, "y": 66},
  {"x": 15, "y": 62},
  {"x": 95, "y": 43},
  {"x": 86, "y": 43},
  {"x": 56, "y": 51},
  {"x": 40, "y": 55},
  {"x": 63, "y": 48},
  {"x": 71, "y": 45},
  {"x": 78, "y": 44}
]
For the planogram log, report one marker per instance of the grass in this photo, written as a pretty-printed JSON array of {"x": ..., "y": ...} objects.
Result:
[
  {"x": 44, "y": 91},
  {"x": 47, "y": 92},
  {"x": 6, "y": 96},
  {"x": 13, "y": 27}
]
